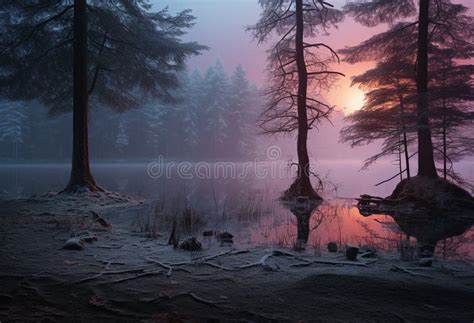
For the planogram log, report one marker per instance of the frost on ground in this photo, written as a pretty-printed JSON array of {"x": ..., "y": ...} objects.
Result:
[
  {"x": 121, "y": 275},
  {"x": 79, "y": 203}
]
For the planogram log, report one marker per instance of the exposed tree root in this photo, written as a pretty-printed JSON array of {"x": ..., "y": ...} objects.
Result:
[
  {"x": 229, "y": 252},
  {"x": 308, "y": 262},
  {"x": 121, "y": 280},
  {"x": 79, "y": 183},
  {"x": 106, "y": 271},
  {"x": 119, "y": 272},
  {"x": 169, "y": 267},
  {"x": 261, "y": 262},
  {"x": 279, "y": 253},
  {"x": 218, "y": 266},
  {"x": 328, "y": 262},
  {"x": 202, "y": 260},
  {"x": 408, "y": 271}
]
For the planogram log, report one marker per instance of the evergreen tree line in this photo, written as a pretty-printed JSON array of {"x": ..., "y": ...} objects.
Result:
[{"x": 211, "y": 116}]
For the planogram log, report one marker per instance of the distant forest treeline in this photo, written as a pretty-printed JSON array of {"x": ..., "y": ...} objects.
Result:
[{"x": 214, "y": 116}]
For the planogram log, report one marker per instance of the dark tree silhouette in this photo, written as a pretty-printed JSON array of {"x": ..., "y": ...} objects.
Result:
[
  {"x": 299, "y": 73},
  {"x": 451, "y": 114},
  {"x": 107, "y": 53},
  {"x": 387, "y": 112},
  {"x": 81, "y": 175},
  {"x": 426, "y": 207},
  {"x": 440, "y": 26},
  {"x": 426, "y": 164}
]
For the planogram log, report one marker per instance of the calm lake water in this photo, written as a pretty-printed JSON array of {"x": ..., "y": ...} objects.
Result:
[{"x": 238, "y": 198}]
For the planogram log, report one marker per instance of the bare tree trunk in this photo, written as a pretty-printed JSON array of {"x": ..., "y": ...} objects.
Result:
[
  {"x": 81, "y": 176},
  {"x": 302, "y": 185},
  {"x": 400, "y": 165},
  {"x": 405, "y": 140},
  {"x": 426, "y": 164}
]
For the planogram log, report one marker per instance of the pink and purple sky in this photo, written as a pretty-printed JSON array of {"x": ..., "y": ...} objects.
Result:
[{"x": 220, "y": 24}]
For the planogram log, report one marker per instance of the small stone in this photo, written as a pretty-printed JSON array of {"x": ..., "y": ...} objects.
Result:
[
  {"x": 332, "y": 246},
  {"x": 208, "y": 233},
  {"x": 351, "y": 252},
  {"x": 191, "y": 244},
  {"x": 229, "y": 241},
  {"x": 225, "y": 235},
  {"x": 73, "y": 244}
]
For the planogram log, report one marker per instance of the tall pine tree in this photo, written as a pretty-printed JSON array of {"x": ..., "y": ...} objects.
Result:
[
  {"x": 116, "y": 48},
  {"x": 216, "y": 105}
]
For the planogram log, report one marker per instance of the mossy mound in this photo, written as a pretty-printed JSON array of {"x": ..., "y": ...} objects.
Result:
[
  {"x": 300, "y": 188},
  {"x": 432, "y": 209}
]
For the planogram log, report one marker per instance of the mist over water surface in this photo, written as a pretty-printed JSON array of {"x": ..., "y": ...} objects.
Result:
[{"x": 246, "y": 205}]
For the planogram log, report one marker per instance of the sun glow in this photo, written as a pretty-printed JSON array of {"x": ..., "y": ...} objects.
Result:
[
  {"x": 356, "y": 101},
  {"x": 349, "y": 100}
]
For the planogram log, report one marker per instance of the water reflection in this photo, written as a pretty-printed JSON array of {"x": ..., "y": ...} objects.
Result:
[
  {"x": 248, "y": 208},
  {"x": 303, "y": 209},
  {"x": 429, "y": 228},
  {"x": 431, "y": 210}
]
